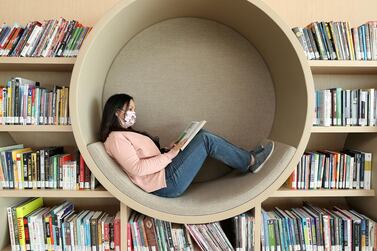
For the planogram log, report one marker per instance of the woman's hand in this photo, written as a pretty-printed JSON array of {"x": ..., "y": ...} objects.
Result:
[{"x": 177, "y": 147}]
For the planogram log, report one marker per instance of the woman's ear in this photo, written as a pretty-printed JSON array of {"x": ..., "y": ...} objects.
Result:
[{"x": 117, "y": 113}]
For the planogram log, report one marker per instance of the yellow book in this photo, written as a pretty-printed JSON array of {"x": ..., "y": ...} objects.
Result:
[
  {"x": 17, "y": 169},
  {"x": 9, "y": 105},
  {"x": 350, "y": 41},
  {"x": 21, "y": 211}
]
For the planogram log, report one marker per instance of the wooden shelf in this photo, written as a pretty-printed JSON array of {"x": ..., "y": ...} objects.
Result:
[
  {"x": 37, "y": 64},
  {"x": 287, "y": 192},
  {"x": 35, "y": 128},
  {"x": 343, "y": 67},
  {"x": 344, "y": 129},
  {"x": 57, "y": 193}
]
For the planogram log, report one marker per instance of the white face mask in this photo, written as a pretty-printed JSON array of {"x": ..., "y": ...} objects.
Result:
[{"x": 129, "y": 119}]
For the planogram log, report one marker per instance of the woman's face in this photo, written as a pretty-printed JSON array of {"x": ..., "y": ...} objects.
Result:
[{"x": 122, "y": 113}]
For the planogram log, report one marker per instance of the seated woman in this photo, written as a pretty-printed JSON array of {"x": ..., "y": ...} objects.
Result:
[{"x": 167, "y": 172}]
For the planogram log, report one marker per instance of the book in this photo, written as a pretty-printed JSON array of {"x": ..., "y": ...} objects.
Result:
[
  {"x": 190, "y": 132},
  {"x": 22, "y": 211}
]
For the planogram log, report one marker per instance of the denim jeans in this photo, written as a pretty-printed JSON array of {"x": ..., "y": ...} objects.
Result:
[{"x": 185, "y": 166}]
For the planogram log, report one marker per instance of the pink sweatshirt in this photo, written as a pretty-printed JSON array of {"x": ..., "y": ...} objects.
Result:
[{"x": 140, "y": 158}]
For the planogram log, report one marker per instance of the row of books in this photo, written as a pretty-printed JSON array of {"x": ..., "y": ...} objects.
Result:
[
  {"x": 43, "y": 168},
  {"x": 37, "y": 228},
  {"x": 313, "y": 228},
  {"x": 341, "y": 107},
  {"x": 348, "y": 169},
  {"x": 337, "y": 41},
  {"x": 48, "y": 38},
  {"x": 146, "y": 233},
  {"x": 25, "y": 102}
]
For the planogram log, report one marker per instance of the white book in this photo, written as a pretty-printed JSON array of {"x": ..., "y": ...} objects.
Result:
[
  {"x": 317, "y": 107},
  {"x": 348, "y": 107},
  {"x": 51, "y": 38},
  {"x": 375, "y": 105},
  {"x": 30, "y": 40},
  {"x": 354, "y": 106},
  {"x": 313, "y": 170},
  {"x": 36, "y": 39},
  {"x": 363, "y": 108},
  {"x": 367, "y": 170},
  {"x": 327, "y": 108},
  {"x": 371, "y": 108},
  {"x": 323, "y": 166},
  {"x": 190, "y": 132}
]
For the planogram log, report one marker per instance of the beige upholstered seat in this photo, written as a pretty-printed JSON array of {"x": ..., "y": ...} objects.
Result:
[
  {"x": 202, "y": 198},
  {"x": 233, "y": 63}
]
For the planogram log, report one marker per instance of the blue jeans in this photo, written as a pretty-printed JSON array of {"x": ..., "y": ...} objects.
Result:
[{"x": 185, "y": 166}]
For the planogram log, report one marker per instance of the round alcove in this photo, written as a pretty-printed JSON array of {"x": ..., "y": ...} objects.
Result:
[{"x": 232, "y": 63}]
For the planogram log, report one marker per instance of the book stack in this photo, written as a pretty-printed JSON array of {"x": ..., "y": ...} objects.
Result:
[
  {"x": 24, "y": 102},
  {"x": 348, "y": 169},
  {"x": 35, "y": 227},
  {"x": 240, "y": 231},
  {"x": 43, "y": 168},
  {"x": 146, "y": 233},
  {"x": 339, "y": 107},
  {"x": 210, "y": 236},
  {"x": 337, "y": 41},
  {"x": 314, "y": 228},
  {"x": 48, "y": 38}
]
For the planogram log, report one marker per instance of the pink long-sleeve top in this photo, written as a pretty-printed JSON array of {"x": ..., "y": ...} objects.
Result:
[{"x": 140, "y": 158}]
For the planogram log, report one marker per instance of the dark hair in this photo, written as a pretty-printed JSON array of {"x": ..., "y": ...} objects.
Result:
[{"x": 110, "y": 121}]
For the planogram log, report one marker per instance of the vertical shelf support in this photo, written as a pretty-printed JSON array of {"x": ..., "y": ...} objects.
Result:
[{"x": 258, "y": 224}]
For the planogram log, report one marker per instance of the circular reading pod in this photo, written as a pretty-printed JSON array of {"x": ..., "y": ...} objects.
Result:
[{"x": 233, "y": 63}]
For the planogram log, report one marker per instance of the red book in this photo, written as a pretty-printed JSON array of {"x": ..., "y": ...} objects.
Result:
[
  {"x": 117, "y": 232},
  {"x": 82, "y": 173},
  {"x": 27, "y": 236},
  {"x": 12, "y": 39},
  {"x": 129, "y": 238},
  {"x": 106, "y": 229},
  {"x": 63, "y": 159}
]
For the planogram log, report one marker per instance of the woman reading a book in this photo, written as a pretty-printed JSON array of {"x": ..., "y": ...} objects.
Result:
[{"x": 167, "y": 172}]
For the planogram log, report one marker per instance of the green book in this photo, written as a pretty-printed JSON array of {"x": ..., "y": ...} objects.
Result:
[{"x": 22, "y": 211}]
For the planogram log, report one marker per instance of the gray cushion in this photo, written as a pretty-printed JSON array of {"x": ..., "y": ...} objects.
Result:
[{"x": 222, "y": 194}]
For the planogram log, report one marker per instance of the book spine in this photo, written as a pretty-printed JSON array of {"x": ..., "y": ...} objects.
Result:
[{"x": 117, "y": 244}]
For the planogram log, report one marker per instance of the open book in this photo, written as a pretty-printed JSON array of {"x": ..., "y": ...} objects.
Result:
[{"x": 190, "y": 132}]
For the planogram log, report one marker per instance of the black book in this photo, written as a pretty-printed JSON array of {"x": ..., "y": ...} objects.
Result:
[
  {"x": 25, "y": 161},
  {"x": 38, "y": 168},
  {"x": 49, "y": 172}
]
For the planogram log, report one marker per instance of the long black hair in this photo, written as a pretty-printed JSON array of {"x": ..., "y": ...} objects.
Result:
[{"x": 110, "y": 121}]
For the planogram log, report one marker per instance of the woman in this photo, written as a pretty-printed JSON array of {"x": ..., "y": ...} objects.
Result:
[{"x": 167, "y": 172}]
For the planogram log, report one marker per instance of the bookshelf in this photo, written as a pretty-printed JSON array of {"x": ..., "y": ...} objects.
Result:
[
  {"x": 344, "y": 129},
  {"x": 284, "y": 192},
  {"x": 99, "y": 192},
  {"x": 35, "y": 128},
  {"x": 36, "y": 64},
  {"x": 326, "y": 74},
  {"x": 48, "y": 71},
  {"x": 343, "y": 67}
]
